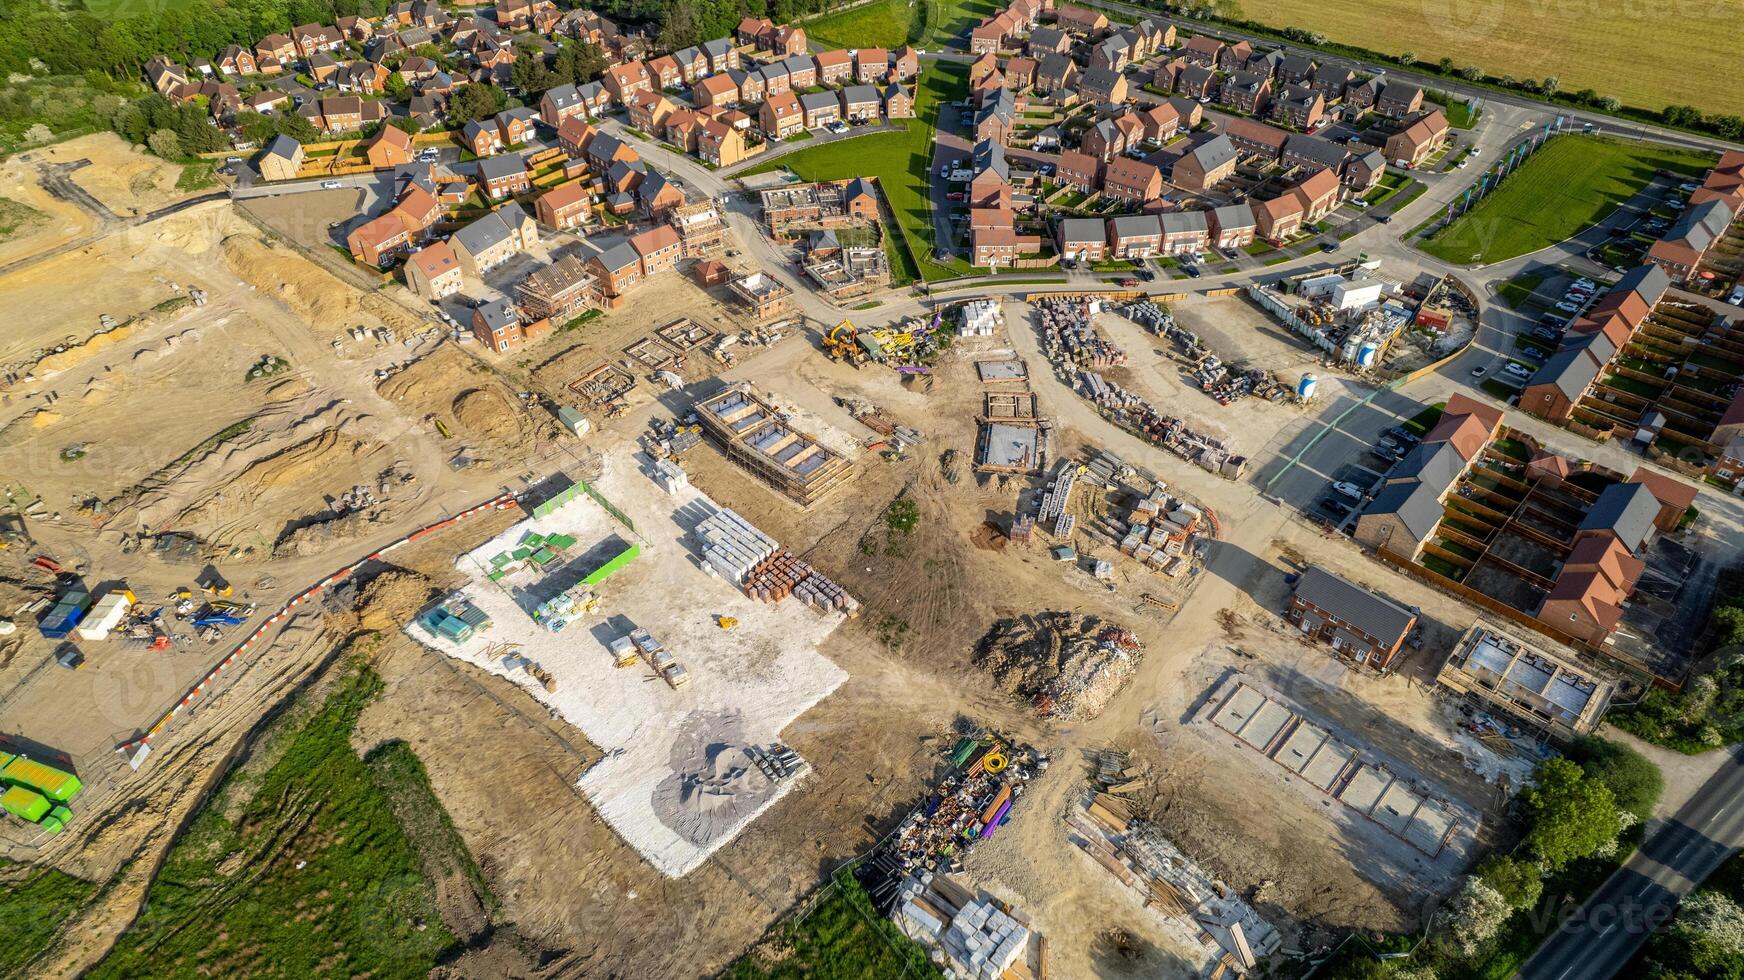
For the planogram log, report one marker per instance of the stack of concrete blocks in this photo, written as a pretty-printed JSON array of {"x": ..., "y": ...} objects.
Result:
[
  {"x": 731, "y": 547},
  {"x": 982, "y": 941},
  {"x": 1063, "y": 525},
  {"x": 969, "y": 932},
  {"x": 980, "y": 318},
  {"x": 670, "y": 476},
  {"x": 1022, "y": 529}
]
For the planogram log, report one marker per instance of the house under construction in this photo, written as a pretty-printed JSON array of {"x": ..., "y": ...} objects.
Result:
[{"x": 755, "y": 437}]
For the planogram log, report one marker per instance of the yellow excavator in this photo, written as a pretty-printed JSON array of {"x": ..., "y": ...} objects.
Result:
[{"x": 842, "y": 343}]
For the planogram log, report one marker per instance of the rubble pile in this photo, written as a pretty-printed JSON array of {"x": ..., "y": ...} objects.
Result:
[{"x": 1069, "y": 667}]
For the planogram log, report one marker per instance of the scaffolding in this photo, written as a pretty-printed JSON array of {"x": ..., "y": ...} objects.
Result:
[{"x": 756, "y": 436}]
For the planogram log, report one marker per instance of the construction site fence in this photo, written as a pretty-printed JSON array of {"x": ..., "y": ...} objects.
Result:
[
  {"x": 613, "y": 566},
  {"x": 557, "y": 500},
  {"x": 611, "y": 508},
  {"x": 1113, "y": 294},
  {"x": 1226, "y": 291},
  {"x": 135, "y": 751}
]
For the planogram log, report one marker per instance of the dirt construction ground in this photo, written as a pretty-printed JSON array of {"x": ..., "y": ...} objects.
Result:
[{"x": 113, "y": 435}]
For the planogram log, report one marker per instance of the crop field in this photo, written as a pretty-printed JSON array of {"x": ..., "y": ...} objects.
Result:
[
  {"x": 1569, "y": 184},
  {"x": 1672, "y": 56},
  {"x": 900, "y": 161},
  {"x": 893, "y": 23}
]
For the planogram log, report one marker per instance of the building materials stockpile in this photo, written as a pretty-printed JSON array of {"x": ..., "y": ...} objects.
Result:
[
  {"x": 970, "y": 933},
  {"x": 1136, "y": 853},
  {"x": 987, "y": 777},
  {"x": 1065, "y": 324},
  {"x": 1068, "y": 667},
  {"x": 1221, "y": 381},
  {"x": 736, "y": 551}
]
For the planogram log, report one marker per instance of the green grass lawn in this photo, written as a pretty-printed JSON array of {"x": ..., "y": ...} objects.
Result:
[
  {"x": 1460, "y": 115},
  {"x": 1570, "y": 184},
  {"x": 892, "y": 23},
  {"x": 299, "y": 864},
  {"x": 1516, "y": 291},
  {"x": 880, "y": 24},
  {"x": 901, "y": 162},
  {"x": 840, "y": 938}
]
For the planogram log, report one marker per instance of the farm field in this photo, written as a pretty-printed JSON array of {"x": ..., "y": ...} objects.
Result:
[
  {"x": 893, "y": 23},
  {"x": 1568, "y": 185},
  {"x": 1576, "y": 43},
  {"x": 900, "y": 162}
]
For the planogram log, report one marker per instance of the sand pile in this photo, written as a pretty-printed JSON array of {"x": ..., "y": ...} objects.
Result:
[
  {"x": 306, "y": 461},
  {"x": 1067, "y": 666},
  {"x": 53, "y": 364},
  {"x": 310, "y": 293},
  {"x": 392, "y": 598},
  {"x": 487, "y": 414},
  {"x": 714, "y": 786}
]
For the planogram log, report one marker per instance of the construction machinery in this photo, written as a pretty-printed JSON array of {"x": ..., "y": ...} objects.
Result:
[
  {"x": 214, "y": 584},
  {"x": 842, "y": 343}
]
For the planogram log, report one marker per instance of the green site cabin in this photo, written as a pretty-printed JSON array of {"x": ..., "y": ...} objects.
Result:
[
  {"x": 24, "y": 803},
  {"x": 51, "y": 782}
]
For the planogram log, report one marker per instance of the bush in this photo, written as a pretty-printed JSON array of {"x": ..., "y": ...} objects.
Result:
[
  {"x": 902, "y": 516},
  {"x": 165, "y": 144},
  {"x": 1634, "y": 781},
  {"x": 1518, "y": 882}
]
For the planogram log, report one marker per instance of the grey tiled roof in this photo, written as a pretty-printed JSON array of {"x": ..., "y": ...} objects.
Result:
[
  {"x": 1375, "y": 615},
  {"x": 1628, "y": 509}
]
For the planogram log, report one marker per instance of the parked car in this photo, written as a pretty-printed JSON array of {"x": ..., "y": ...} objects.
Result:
[
  {"x": 1479, "y": 372},
  {"x": 1567, "y": 307},
  {"x": 1334, "y": 506},
  {"x": 1588, "y": 283},
  {"x": 1350, "y": 490},
  {"x": 1191, "y": 270},
  {"x": 331, "y": 185},
  {"x": 1517, "y": 370},
  {"x": 1329, "y": 247},
  {"x": 1404, "y": 435},
  {"x": 955, "y": 196},
  {"x": 1128, "y": 283}
]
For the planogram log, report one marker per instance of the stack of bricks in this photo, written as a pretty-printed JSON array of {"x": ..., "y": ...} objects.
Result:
[{"x": 782, "y": 575}]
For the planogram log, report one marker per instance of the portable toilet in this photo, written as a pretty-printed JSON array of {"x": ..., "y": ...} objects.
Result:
[{"x": 1306, "y": 388}]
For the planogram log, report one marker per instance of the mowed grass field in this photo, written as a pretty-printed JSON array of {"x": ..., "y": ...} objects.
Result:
[
  {"x": 900, "y": 161},
  {"x": 1645, "y": 55},
  {"x": 1570, "y": 184},
  {"x": 892, "y": 23}
]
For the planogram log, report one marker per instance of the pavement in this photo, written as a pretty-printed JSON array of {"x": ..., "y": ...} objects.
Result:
[{"x": 1600, "y": 937}]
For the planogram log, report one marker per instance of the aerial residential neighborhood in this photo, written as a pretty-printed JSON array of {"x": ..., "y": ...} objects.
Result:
[{"x": 1004, "y": 490}]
